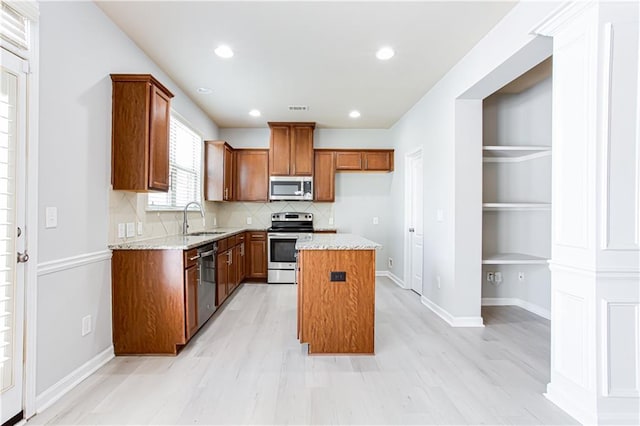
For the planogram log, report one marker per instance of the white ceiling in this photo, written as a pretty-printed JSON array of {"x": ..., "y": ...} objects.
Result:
[{"x": 320, "y": 54}]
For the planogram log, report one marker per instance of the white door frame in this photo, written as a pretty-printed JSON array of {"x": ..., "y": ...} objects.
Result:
[
  {"x": 29, "y": 9},
  {"x": 408, "y": 158}
]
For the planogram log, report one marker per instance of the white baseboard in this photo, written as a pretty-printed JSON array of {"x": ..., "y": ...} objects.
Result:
[
  {"x": 58, "y": 390},
  {"x": 514, "y": 301},
  {"x": 573, "y": 407},
  {"x": 392, "y": 277},
  {"x": 450, "y": 319}
]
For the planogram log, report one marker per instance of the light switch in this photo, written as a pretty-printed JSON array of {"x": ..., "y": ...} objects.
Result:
[
  {"x": 121, "y": 230},
  {"x": 440, "y": 215},
  {"x": 51, "y": 217},
  {"x": 131, "y": 230},
  {"x": 331, "y": 221},
  {"x": 249, "y": 220},
  {"x": 140, "y": 228},
  {"x": 375, "y": 220}
]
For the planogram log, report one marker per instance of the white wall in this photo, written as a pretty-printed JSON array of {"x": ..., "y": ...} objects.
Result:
[
  {"x": 79, "y": 48},
  {"x": 452, "y": 160},
  {"x": 359, "y": 196}
]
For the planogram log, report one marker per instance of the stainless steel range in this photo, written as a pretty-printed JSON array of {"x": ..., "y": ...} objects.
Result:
[{"x": 286, "y": 229}]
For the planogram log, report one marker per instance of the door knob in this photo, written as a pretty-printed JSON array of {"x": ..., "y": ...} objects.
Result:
[
  {"x": 23, "y": 257},
  {"x": 412, "y": 230}
]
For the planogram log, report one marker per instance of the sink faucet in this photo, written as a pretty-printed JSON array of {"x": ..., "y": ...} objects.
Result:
[{"x": 185, "y": 223}]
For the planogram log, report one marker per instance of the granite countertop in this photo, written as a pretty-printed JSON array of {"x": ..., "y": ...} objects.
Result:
[
  {"x": 336, "y": 242},
  {"x": 179, "y": 242}
]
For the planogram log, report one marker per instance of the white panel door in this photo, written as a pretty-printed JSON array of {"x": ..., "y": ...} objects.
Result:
[
  {"x": 416, "y": 229},
  {"x": 12, "y": 232}
]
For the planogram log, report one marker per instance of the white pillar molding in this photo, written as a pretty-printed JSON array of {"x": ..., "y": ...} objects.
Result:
[{"x": 595, "y": 266}]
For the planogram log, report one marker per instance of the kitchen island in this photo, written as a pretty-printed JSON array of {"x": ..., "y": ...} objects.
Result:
[{"x": 336, "y": 293}]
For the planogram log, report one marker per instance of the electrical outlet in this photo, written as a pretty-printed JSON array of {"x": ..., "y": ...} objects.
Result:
[
  {"x": 86, "y": 325},
  {"x": 497, "y": 277},
  {"x": 331, "y": 221},
  {"x": 490, "y": 277},
  {"x": 140, "y": 228},
  {"x": 215, "y": 221},
  {"x": 131, "y": 230},
  {"x": 438, "y": 282},
  {"x": 121, "y": 230},
  {"x": 440, "y": 215},
  {"x": 375, "y": 220},
  {"x": 249, "y": 220},
  {"x": 390, "y": 262},
  {"x": 520, "y": 276}
]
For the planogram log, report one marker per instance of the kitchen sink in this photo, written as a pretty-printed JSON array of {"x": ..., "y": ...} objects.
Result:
[{"x": 204, "y": 233}]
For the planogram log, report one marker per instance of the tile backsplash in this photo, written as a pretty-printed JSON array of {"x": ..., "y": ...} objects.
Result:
[
  {"x": 235, "y": 214},
  {"x": 129, "y": 207}
]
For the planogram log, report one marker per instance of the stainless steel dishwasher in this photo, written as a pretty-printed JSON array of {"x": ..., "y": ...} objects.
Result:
[{"x": 206, "y": 295}]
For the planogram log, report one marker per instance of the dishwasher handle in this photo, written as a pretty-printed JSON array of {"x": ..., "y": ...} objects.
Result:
[{"x": 207, "y": 253}]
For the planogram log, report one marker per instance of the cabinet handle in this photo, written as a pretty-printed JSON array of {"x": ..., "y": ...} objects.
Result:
[
  {"x": 229, "y": 257},
  {"x": 226, "y": 193},
  {"x": 197, "y": 256},
  {"x": 242, "y": 249}
]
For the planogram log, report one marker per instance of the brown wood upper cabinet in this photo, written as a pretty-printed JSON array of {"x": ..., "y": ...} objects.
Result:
[
  {"x": 291, "y": 149},
  {"x": 141, "y": 111},
  {"x": 219, "y": 171},
  {"x": 252, "y": 175},
  {"x": 380, "y": 160},
  {"x": 324, "y": 185}
]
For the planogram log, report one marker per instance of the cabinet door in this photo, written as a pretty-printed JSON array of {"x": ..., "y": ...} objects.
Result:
[
  {"x": 301, "y": 151},
  {"x": 348, "y": 160},
  {"x": 252, "y": 175},
  {"x": 257, "y": 255},
  {"x": 232, "y": 279},
  {"x": 382, "y": 161},
  {"x": 228, "y": 173},
  {"x": 242, "y": 270},
  {"x": 325, "y": 176},
  {"x": 279, "y": 151},
  {"x": 191, "y": 300},
  {"x": 159, "y": 141},
  {"x": 223, "y": 276}
]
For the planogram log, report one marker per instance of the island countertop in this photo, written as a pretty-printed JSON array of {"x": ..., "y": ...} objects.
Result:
[{"x": 336, "y": 242}]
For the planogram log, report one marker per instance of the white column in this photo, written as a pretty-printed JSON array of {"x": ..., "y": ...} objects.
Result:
[{"x": 595, "y": 266}]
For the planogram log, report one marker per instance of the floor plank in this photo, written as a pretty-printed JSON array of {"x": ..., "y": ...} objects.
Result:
[{"x": 245, "y": 366}]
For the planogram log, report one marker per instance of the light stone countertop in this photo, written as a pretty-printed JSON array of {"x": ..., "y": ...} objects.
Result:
[
  {"x": 179, "y": 242},
  {"x": 336, "y": 242}
]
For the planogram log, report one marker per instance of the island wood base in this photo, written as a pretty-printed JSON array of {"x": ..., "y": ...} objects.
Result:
[{"x": 336, "y": 317}]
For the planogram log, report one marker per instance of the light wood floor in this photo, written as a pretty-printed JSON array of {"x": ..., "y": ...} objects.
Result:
[{"x": 246, "y": 367}]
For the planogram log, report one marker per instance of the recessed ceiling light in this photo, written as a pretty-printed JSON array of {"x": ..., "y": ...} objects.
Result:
[
  {"x": 354, "y": 114},
  {"x": 254, "y": 113},
  {"x": 385, "y": 53},
  {"x": 224, "y": 51},
  {"x": 204, "y": 90}
]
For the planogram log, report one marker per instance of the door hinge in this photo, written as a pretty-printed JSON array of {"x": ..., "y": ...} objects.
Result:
[{"x": 26, "y": 67}]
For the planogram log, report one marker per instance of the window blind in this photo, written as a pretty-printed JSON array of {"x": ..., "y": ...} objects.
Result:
[
  {"x": 185, "y": 151},
  {"x": 14, "y": 27}
]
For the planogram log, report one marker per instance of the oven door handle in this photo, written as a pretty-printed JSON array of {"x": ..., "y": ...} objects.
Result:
[{"x": 294, "y": 236}]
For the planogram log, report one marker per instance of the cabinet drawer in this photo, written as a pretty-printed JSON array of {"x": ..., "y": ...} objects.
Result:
[
  {"x": 222, "y": 245},
  {"x": 231, "y": 241},
  {"x": 190, "y": 257},
  {"x": 240, "y": 238},
  {"x": 257, "y": 236}
]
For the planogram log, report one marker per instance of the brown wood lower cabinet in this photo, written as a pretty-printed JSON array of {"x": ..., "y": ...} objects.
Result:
[
  {"x": 336, "y": 316},
  {"x": 153, "y": 304},
  {"x": 256, "y": 255}
]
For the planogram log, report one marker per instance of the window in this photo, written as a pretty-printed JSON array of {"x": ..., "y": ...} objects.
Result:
[
  {"x": 14, "y": 27},
  {"x": 185, "y": 151}
]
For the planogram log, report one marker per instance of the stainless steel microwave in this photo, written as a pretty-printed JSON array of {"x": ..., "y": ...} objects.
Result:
[{"x": 294, "y": 188}]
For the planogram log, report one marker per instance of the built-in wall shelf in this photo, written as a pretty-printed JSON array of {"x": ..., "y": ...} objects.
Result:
[
  {"x": 513, "y": 153},
  {"x": 515, "y": 206},
  {"x": 513, "y": 259}
]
